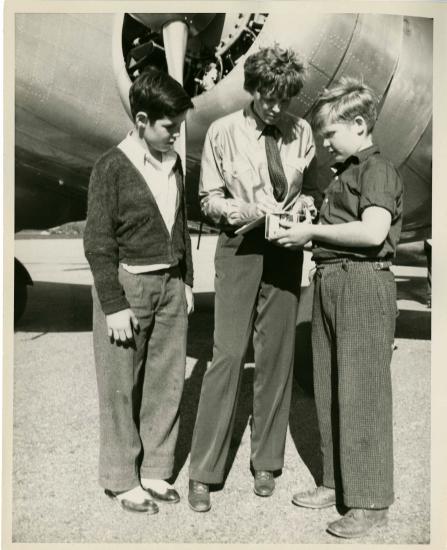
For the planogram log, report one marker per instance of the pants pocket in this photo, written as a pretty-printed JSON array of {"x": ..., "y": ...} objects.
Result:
[
  {"x": 132, "y": 286},
  {"x": 387, "y": 292}
]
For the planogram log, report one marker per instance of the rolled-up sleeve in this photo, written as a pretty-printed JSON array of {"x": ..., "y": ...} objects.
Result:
[{"x": 380, "y": 186}]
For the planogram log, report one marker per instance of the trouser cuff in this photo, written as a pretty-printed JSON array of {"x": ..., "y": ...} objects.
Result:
[
  {"x": 368, "y": 502},
  {"x": 271, "y": 466},
  {"x": 119, "y": 485},
  {"x": 206, "y": 477},
  {"x": 156, "y": 473}
]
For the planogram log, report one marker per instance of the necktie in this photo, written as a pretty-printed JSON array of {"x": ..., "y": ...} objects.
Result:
[{"x": 276, "y": 170}]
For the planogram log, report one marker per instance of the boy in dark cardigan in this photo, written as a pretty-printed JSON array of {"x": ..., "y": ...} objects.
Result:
[{"x": 138, "y": 247}]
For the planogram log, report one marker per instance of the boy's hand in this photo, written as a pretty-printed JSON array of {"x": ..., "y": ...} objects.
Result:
[
  {"x": 293, "y": 235},
  {"x": 120, "y": 324},
  {"x": 189, "y": 299}
]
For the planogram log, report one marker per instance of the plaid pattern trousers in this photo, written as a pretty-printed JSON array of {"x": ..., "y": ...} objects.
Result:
[{"x": 353, "y": 324}]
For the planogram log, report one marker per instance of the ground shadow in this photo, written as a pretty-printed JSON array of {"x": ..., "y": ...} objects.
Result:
[
  {"x": 413, "y": 325},
  {"x": 66, "y": 307},
  {"x": 303, "y": 425},
  {"x": 412, "y": 288},
  {"x": 57, "y": 307}
]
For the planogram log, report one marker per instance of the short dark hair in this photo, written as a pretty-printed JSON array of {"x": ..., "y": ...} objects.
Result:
[
  {"x": 158, "y": 95},
  {"x": 348, "y": 98},
  {"x": 274, "y": 72}
]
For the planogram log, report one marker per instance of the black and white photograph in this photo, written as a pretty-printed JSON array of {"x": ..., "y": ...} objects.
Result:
[{"x": 218, "y": 328}]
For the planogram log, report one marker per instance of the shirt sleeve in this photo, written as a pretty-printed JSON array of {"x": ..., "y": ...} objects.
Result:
[
  {"x": 215, "y": 202},
  {"x": 100, "y": 246},
  {"x": 212, "y": 184},
  {"x": 310, "y": 176},
  {"x": 380, "y": 186},
  {"x": 309, "y": 144}
]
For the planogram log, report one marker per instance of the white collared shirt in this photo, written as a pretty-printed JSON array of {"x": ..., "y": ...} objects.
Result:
[{"x": 161, "y": 181}]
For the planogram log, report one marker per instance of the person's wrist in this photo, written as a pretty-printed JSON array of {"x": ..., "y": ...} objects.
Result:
[
  {"x": 250, "y": 210},
  {"x": 313, "y": 231},
  {"x": 258, "y": 213}
]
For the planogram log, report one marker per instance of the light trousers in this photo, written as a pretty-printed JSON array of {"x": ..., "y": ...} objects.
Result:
[{"x": 140, "y": 386}]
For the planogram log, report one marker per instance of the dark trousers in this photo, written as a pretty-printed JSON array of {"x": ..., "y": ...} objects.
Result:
[
  {"x": 353, "y": 325},
  {"x": 140, "y": 387},
  {"x": 257, "y": 286}
]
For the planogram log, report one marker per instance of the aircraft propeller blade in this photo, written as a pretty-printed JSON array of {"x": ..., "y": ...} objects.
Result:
[{"x": 175, "y": 37}]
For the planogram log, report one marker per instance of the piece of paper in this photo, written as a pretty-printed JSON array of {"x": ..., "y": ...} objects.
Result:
[{"x": 249, "y": 226}]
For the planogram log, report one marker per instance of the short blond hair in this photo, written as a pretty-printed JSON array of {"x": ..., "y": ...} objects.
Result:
[{"x": 348, "y": 98}]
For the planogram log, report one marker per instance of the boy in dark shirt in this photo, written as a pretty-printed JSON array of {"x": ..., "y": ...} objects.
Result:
[
  {"x": 354, "y": 312},
  {"x": 138, "y": 247}
]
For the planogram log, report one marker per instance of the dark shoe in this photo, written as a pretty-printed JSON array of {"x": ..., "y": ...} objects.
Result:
[
  {"x": 264, "y": 483},
  {"x": 147, "y": 506},
  {"x": 170, "y": 495},
  {"x": 358, "y": 522},
  {"x": 320, "y": 497},
  {"x": 199, "y": 496}
]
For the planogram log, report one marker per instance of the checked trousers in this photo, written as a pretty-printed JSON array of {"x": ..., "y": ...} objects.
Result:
[{"x": 353, "y": 324}]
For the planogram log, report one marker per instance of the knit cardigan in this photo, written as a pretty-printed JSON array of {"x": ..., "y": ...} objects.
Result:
[{"x": 124, "y": 224}]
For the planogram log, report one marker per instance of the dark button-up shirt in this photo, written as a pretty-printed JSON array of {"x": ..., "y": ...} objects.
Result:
[{"x": 363, "y": 180}]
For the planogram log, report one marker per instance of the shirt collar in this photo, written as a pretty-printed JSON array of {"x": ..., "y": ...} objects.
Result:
[
  {"x": 366, "y": 153},
  {"x": 137, "y": 149},
  {"x": 359, "y": 157},
  {"x": 255, "y": 122}
]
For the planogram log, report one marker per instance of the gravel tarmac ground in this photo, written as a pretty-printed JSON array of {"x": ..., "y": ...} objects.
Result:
[{"x": 56, "y": 498}]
